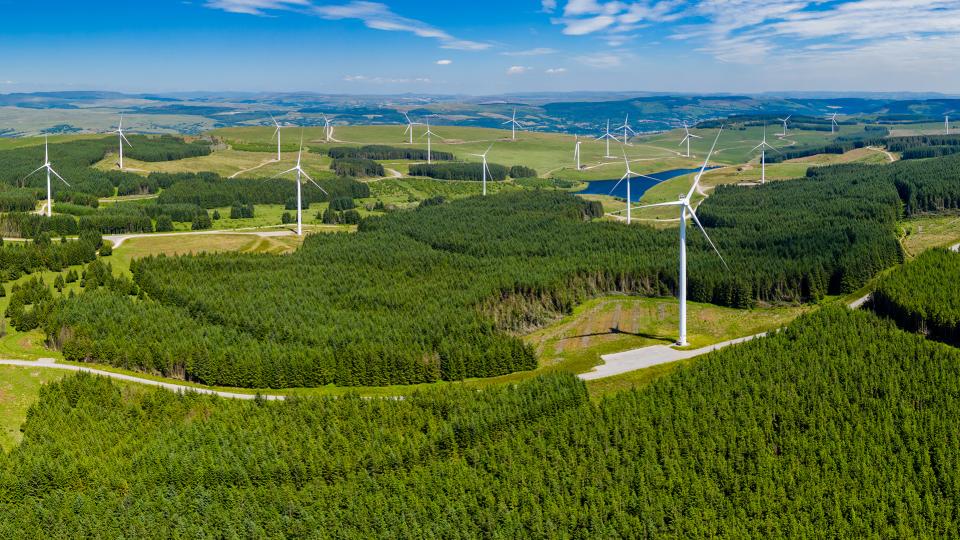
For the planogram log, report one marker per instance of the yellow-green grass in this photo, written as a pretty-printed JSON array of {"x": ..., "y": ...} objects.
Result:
[
  {"x": 619, "y": 323},
  {"x": 19, "y": 388},
  {"x": 922, "y": 128},
  {"x": 228, "y": 163},
  {"x": 858, "y": 155},
  {"x": 921, "y": 233},
  {"x": 9, "y": 143},
  {"x": 401, "y": 191}
]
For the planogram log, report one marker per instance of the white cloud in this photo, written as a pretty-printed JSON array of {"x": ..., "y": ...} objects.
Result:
[
  {"x": 386, "y": 80},
  {"x": 444, "y": 62},
  {"x": 548, "y": 6},
  {"x": 539, "y": 51},
  {"x": 607, "y": 60},
  {"x": 556, "y": 71},
  {"x": 374, "y": 15},
  {"x": 517, "y": 70}
]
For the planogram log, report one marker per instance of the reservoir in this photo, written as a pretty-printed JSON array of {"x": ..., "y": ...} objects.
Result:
[{"x": 638, "y": 186}]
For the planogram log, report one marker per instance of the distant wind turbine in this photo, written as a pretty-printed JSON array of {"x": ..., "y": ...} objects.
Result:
[
  {"x": 688, "y": 137},
  {"x": 946, "y": 125},
  {"x": 576, "y": 151},
  {"x": 123, "y": 139},
  {"x": 608, "y": 136},
  {"x": 276, "y": 134},
  {"x": 685, "y": 210},
  {"x": 785, "y": 120},
  {"x": 327, "y": 128},
  {"x": 763, "y": 155},
  {"x": 833, "y": 123},
  {"x": 486, "y": 169},
  {"x": 410, "y": 127},
  {"x": 429, "y": 135},
  {"x": 300, "y": 175},
  {"x": 626, "y": 176},
  {"x": 513, "y": 124},
  {"x": 46, "y": 165},
  {"x": 626, "y": 130}
]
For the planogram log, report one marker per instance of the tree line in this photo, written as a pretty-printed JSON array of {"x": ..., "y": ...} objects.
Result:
[{"x": 383, "y": 152}]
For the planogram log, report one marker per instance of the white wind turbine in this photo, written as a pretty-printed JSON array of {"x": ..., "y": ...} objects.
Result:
[
  {"x": 626, "y": 130},
  {"x": 785, "y": 120},
  {"x": 608, "y": 136},
  {"x": 833, "y": 123},
  {"x": 123, "y": 139},
  {"x": 688, "y": 137},
  {"x": 627, "y": 176},
  {"x": 327, "y": 128},
  {"x": 576, "y": 151},
  {"x": 276, "y": 134},
  {"x": 513, "y": 124},
  {"x": 46, "y": 165},
  {"x": 410, "y": 127},
  {"x": 486, "y": 169},
  {"x": 946, "y": 125},
  {"x": 429, "y": 135},
  {"x": 300, "y": 175},
  {"x": 685, "y": 210},
  {"x": 763, "y": 155}
]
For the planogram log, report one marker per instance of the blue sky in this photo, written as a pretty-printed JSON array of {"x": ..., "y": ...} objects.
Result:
[{"x": 495, "y": 46}]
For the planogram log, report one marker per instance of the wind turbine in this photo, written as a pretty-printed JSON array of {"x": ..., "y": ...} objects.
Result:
[
  {"x": 626, "y": 176},
  {"x": 833, "y": 123},
  {"x": 685, "y": 210},
  {"x": 513, "y": 124},
  {"x": 429, "y": 134},
  {"x": 576, "y": 151},
  {"x": 946, "y": 125},
  {"x": 608, "y": 136},
  {"x": 123, "y": 139},
  {"x": 46, "y": 165},
  {"x": 763, "y": 155},
  {"x": 785, "y": 120},
  {"x": 327, "y": 128},
  {"x": 300, "y": 174},
  {"x": 689, "y": 136},
  {"x": 626, "y": 128},
  {"x": 410, "y": 125},
  {"x": 277, "y": 135},
  {"x": 485, "y": 168}
]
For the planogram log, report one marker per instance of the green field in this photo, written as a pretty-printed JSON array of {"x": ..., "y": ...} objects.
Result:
[{"x": 18, "y": 390}]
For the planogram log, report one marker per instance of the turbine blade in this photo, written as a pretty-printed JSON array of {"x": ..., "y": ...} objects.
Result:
[
  {"x": 284, "y": 172},
  {"x": 696, "y": 181},
  {"x": 124, "y": 137},
  {"x": 707, "y": 236},
  {"x": 40, "y": 168},
  {"x": 55, "y": 173},
  {"x": 622, "y": 178}
]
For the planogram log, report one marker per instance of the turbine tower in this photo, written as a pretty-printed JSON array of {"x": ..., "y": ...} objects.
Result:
[
  {"x": 576, "y": 151},
  {"x": 123, "y": 139},
  {"x": 300, "y": 175},
  {"x": 327, "y": 128},
  {"x": 626, "y": 130},
  {"x": 763, "y": 155},
  {"x": 485, "y": 168},
  {"x": 626, "y": 176},
  {"x": 276, "y": 134},
  {"x": 429, "y": 135},
  {"x": 946, "y": 125},
  {"x": 46, "y": 165},
  {"x": 833, "y": 123},
  {"x": 410, "y": 128},
  {"x": 785, "y": 120},
  {"x": 608, "y": 136},
  {"x": 513, "y": 124},
  {"x": 688, "y": 137},
  {"x": 687, "y": 210}
]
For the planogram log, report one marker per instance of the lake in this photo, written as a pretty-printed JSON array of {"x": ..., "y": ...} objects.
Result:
[{"x": 638, "y": 186}]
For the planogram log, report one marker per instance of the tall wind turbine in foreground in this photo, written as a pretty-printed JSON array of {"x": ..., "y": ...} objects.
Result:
[
  {"x": 626, "y": 130},
  {"x": 785, "y": 120},
  {"x": 46, "y": 165},
  {"x": 688, "y": 137},
  {"x": 300, "y": 175},
  {"x": 410, "y": 127},
  {"x": 123, "y": 139},
  {"x": 576, "y": 151},
  {"x": 763, "y": 155},
  {"x": 608, "y": 136},
  {"x": 429, "y": 135},
  {"x": 833, "y": 123},
  {"x": 276, "y": 134},
  {"x": 513, "y": 124},
  {"x": 685, "y": 210},
  {"x": 626, "y": 176},
  {"x": 485, "y": 168}
]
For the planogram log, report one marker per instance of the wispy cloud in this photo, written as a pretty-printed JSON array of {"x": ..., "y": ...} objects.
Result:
[
  {"x": 555, "y": 71},
  {"x": 539, "y": 51},
  {"x": 373, "y": 15},
  {"x": 444, "y": 62},
  {"x": 386, "y": 80},
  {"x": 517, "y": 70},
  {"x": 602, "y": 60}
]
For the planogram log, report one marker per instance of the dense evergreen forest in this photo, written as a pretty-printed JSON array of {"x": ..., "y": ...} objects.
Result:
[
  {"x": 434, "y": 293},
  {"x": 459, "y": 171},
  {"x": 840, "y": 426},
  {"x": 213, "y": 191},
  {"x": 924, "y": 295},
  {"x": 382, "y": 152}
]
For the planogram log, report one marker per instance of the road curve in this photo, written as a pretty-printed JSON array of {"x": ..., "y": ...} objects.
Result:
[{"x": 119, "y": 239}]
